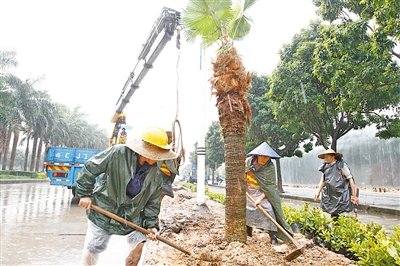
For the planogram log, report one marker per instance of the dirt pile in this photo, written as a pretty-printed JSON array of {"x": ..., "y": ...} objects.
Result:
[{"x": 200, "y": 229}]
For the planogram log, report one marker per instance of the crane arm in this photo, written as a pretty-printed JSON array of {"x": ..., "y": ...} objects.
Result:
[{"x": 163, "y": 29}]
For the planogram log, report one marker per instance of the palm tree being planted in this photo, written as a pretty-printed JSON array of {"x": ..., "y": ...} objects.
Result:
[{"x": 222, "y": 21}]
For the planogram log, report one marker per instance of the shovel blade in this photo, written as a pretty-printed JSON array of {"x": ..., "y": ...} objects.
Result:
[{"x": 294, "y": 254}]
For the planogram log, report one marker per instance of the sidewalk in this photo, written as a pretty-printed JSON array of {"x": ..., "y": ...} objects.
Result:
[
  {"x": 386, "y": 202},
  {"x": 382, "y": 202}
]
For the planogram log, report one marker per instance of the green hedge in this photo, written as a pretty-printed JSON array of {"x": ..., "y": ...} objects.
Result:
[
  {"x": 18, "y": 174},
  {"x": 367, "y": 243},
  {"x": 214, "y": 196}
]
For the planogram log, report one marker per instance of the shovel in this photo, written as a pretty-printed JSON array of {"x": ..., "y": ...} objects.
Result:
[
  {"x": 299, "y": 249},
  {"x": 138, "y": 228}
]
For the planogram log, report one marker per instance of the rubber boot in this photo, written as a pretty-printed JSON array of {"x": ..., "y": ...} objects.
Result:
[
  {"x": 89, "y": 258},
  {"x": 274, "y": 239},
  {"x": 249, "y": 231},
  {"x": 134, "y": 256},
  {"x": 334, "y": 217}
]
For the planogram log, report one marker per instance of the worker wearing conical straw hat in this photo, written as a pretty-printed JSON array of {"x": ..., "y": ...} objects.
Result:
[{"x": 261, "y": 185}]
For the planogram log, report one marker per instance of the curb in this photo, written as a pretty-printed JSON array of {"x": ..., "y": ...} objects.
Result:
[
  {"x": 366, "y": 208},
  {"x": 20, "y": 181}
]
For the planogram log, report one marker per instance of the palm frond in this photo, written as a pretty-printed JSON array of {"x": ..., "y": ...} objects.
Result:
[
  {"x": 207, "y": 19},
  {"x": 248, "y": 4},
  {"x": 239, "y": 28}
]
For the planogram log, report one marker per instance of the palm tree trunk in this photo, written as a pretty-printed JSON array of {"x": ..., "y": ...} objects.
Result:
[
  {"x": 3, "y": 133},
  {"x": 5, "y": 149},
  {"x": 26, "y": 154},
  {"x": 235, "y": 208},
  {"x": 334, "y": 144},
  {"x": 39, "y": 154},
  {"x": 279, "y": 176},
  {"x": 14, "y": 149},
  {"x": 33, "y": 155}
]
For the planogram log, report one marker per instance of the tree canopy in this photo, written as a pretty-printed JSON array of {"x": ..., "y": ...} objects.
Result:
[
  {"x": 31, "y": 113},
  {"x": 329, "y": 82},
  {"x": 381, "y": 18},
  {"x": 266, "y": 127}
]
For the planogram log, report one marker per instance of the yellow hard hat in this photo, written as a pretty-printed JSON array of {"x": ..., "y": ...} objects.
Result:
[{"x": 156, "y": 136}]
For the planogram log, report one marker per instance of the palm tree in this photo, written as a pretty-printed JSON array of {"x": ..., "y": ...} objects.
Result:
[
  {"x": 12, "y": 117},
  {"x": 45, "y": 122},
  {"x": 7, "y": 105},
  {"x": 17, "y": 116},
  {"x": 218, "y": 21},
  {"x": 57, "y": 134},
  {"x": 26, "y": 101}
]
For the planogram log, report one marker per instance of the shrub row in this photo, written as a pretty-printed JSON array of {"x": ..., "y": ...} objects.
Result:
[
  {"x": 368, "y": 244},
  {"x": 214, "y": 196},
  {"x": 18, "y": 174}
]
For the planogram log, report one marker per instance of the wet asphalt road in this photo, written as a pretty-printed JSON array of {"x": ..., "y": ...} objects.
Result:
[{"x": 39, "y": 226}]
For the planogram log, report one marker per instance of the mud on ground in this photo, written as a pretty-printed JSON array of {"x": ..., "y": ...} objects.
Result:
[{"x": 200, "y": 229}]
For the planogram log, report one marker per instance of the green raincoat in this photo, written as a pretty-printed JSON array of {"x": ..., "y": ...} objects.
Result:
[
  {"x": 113, "y": 169},
  {"x": 266, "y": 178}
]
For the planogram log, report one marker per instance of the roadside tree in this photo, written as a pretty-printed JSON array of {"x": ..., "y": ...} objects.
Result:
[
  {"x": 285, "y": 139},
  {"x": 214, "y": 147},
  {"x": 327, "y": 96},
  {"x": 221, "y": 22}
]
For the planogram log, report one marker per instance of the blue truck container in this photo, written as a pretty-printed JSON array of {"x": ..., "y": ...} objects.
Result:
[{"x": 63, "y": 165}]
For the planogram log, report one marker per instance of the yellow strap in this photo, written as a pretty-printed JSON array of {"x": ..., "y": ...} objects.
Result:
[
  {"x": 251, "y": 180},
  {"x": 165, "y": 169}
]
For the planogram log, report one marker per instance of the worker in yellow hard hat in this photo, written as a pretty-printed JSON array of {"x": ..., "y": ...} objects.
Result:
[
  {"x": 169, "y": 169},
  {"x": 128, "y": 185},
  {"x": 122, "y": 136}
]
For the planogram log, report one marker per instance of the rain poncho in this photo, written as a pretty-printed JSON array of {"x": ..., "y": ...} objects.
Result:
[
  {"x": 113, "y": 169},
  {"x": 335, "y": 198},
  {"x": 266, "y": 178},
  {"x": 254, "y": 217}
]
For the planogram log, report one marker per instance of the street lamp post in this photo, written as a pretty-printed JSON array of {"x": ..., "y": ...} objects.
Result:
[{"x": 201, "y": 150}]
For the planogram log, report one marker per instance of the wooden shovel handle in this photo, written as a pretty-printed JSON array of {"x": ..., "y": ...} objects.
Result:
[
  {"x": 138, "y": 228},
  {"x": 266, "y": 214}
]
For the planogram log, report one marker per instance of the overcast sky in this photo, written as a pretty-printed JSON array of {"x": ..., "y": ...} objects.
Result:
[{"x": 82, "y": 51}]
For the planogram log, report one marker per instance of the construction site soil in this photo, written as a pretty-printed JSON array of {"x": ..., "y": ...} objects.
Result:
[{"x": 200, "y": 229}]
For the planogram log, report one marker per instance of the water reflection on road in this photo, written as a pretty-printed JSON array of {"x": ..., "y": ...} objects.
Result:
[{"x": 39, "y": 226}]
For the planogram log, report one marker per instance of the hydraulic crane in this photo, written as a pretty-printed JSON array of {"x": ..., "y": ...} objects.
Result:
[{"x": 160, "y": 34}]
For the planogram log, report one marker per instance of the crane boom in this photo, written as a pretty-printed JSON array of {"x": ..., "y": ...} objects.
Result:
[{"x": 166, "y": 25}]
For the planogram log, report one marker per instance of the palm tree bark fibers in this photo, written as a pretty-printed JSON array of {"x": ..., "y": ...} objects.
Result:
[{"x": 231, "y": 83}]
